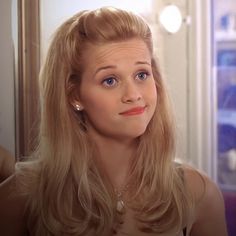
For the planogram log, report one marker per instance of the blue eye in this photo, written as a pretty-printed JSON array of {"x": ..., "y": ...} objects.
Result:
[
  {"x": 142, "y": 75},
  {"x": 109, "y": 82}
]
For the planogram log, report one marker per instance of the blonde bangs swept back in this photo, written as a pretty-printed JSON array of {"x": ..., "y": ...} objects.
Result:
[{"x": 66, "y": 177}]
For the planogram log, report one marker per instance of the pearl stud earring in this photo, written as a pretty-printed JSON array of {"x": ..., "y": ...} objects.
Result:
[{"x": 78, "y": 107}]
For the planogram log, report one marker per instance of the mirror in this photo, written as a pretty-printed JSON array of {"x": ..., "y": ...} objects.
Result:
[{"x": 27, "y": 68}]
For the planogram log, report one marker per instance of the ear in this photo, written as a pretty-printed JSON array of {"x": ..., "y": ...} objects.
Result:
[{"x": 73, "y": 93}]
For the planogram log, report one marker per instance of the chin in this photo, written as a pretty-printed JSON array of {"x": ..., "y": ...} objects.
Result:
[{"x": 135, "y": 133}]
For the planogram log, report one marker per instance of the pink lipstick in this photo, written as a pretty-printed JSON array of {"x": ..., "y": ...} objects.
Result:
[{"x": 133, "y": 111}]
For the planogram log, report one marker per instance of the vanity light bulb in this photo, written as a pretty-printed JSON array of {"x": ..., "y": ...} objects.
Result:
[{"x": 171, "y": 18}]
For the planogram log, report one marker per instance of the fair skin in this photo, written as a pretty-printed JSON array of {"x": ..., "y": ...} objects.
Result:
[
  {"x": 7, "y": 164},
  {"x": 117, "y": 78},
  {"x": 209, "y": 216}
]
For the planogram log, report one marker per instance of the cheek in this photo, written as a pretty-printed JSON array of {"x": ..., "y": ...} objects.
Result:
[{"x": 95, "y": 104}]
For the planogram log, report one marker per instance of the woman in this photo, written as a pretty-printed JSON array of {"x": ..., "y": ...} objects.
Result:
[{"x": 105, "y": 165}]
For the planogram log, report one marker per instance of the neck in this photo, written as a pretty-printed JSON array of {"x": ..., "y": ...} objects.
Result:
[{"x": 115, "y": 158}]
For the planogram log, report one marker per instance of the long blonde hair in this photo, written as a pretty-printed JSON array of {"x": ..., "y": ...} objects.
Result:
[{"x": 64, "y": 177}]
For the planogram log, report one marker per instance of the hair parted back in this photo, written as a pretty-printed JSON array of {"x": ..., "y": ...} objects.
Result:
[{"x": 66, "y": 177}]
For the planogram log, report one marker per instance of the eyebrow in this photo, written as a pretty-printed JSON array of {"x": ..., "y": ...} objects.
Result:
[
  {"x": 105, "y": 68},
  {"x": 142, "y": 63},
  {"x": 114, "y": 66}
]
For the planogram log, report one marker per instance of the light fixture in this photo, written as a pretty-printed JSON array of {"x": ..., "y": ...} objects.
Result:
[{"x": 171, "y": 18}]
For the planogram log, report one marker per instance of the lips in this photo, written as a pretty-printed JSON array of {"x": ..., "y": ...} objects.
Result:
[{"x": 133, "y": 111}]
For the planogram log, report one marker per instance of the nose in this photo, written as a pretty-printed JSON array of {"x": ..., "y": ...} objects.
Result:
[{"x": 131, "y": 93}]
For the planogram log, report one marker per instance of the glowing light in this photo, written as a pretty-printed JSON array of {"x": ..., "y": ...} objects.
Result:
[{"x": 171, "y": 18}]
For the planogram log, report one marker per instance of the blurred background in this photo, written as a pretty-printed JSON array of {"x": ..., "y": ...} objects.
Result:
[{"x": 195, "y": 42}]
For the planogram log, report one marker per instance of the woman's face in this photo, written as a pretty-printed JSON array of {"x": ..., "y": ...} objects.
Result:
[{"x": 118, "y": 92}]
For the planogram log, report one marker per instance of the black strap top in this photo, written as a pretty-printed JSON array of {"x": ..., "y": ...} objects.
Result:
[{"x": 185, "y": 231}]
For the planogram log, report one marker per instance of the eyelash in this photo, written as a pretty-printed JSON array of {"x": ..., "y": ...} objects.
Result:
[
  {"x": 143, "y": 73},
  {"x": 115, "y": 81},
  {"x": 104, "y": 82}
]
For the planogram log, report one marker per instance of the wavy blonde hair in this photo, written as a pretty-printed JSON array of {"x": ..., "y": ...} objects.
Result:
[{"x": 64, "y": 177}]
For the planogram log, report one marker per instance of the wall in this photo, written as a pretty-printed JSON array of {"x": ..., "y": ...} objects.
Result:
[
  {"x": 7, "y": 123},
  {"x": 173, "y": 53}
]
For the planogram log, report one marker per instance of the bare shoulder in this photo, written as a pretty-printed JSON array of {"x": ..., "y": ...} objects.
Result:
[
  {"x": 12, "y": 208},
  {"x": 209, "y": 213},
  {"x": 7, "y": 164}
]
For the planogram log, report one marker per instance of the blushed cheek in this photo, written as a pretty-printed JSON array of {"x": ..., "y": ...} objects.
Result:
[{"x": 95, "y": 108}]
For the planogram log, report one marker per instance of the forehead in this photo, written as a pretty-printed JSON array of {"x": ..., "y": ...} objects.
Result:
[{"x": 115, "y": 51}]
